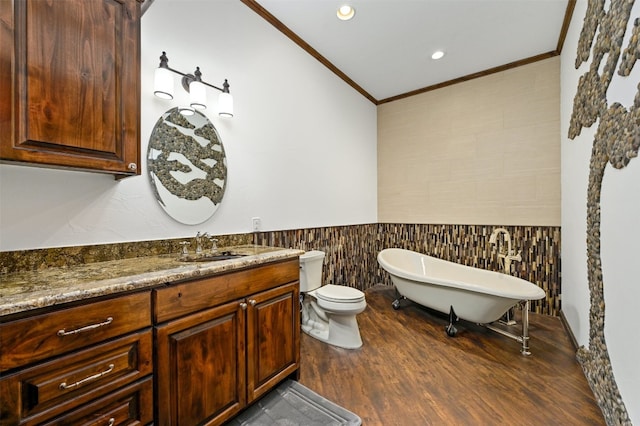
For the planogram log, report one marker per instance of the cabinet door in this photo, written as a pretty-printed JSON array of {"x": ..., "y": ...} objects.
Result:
[
  {"x": 273, "y": 338},
  {"x": 201, "y": 367},
  {"x": 69, "y": 78}
]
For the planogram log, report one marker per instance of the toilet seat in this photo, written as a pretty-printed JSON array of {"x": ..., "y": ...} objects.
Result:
[{"x": 338, "y": 294}]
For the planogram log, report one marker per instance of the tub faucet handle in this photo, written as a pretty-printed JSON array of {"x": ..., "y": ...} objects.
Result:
[{"x": 517, "y": 257}]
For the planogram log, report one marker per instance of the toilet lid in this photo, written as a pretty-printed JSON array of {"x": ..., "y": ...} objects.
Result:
[{"x": 339, "y": 293}]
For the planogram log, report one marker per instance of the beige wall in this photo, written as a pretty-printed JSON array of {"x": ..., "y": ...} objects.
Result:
[{"x": 486, "y": 151}]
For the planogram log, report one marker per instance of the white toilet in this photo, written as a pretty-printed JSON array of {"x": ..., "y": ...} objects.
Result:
[{"x": 329, "y": 311}]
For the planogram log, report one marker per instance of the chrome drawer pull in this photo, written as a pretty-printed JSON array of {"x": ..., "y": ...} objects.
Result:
[
  {"x": 65, "y": 386},
  {"x": 112, "y": 422},
  {"x": 87, "y": 328}
]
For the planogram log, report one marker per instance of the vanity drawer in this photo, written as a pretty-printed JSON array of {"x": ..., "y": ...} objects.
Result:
[
  {"x": 177, "y": 300},
  {"x": 42, "y": 336},
  {"x": 132, "y": 405},
  {"x": 40, "y": 392}
]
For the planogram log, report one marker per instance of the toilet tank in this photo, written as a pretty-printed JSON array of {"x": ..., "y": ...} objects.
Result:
[{"x": 311, "y": 270}]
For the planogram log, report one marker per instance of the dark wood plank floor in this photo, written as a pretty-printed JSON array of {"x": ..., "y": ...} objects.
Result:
[{"x": 409, "y": 372}]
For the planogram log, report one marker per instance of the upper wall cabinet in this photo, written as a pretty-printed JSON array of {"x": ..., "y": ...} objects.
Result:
[{"x": 70, "y": 84}]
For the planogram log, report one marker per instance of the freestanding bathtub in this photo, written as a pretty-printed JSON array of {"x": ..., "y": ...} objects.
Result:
[{"x": 475, "y": 295}]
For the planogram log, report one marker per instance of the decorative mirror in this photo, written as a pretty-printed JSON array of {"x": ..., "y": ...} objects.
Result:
[{"x": 187, "y": 166}]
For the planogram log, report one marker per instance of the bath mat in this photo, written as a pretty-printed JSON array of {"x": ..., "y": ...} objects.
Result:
[{"x": 292, "y": 404}]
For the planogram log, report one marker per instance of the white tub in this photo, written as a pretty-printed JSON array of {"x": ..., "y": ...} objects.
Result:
[{"x": 476, "y": 295}]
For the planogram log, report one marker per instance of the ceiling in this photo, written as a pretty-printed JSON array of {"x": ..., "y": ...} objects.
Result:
[{"x": 384, "y": 52}]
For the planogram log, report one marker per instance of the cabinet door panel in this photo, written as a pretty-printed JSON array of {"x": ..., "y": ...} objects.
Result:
[
  {"x": 66, "y": 80},
  {"x": 201, "y": 367},
  {"x": 273, "y": 338},
  {"x": 75, "y": 84}
]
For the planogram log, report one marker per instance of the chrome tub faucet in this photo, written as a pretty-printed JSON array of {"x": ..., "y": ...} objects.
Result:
[{"x": 508, "y": 257}]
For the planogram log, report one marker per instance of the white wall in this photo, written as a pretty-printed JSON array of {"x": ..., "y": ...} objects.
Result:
[
  {"x": 620, "y": 229},
  {"x": 301, "y": 149}
]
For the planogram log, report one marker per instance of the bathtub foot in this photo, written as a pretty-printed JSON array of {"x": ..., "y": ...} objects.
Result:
[
  {"x": 451, "y": 329},
  {"x": 396, "y": 303}
]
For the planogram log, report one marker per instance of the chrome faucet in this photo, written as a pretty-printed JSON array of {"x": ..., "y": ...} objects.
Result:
[
  {"x": 199, "y": 238},
  {"x": 509, "y": 256}
]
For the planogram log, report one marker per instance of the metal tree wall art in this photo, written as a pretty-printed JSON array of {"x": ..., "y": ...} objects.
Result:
[{"x": 616, "y": 142}]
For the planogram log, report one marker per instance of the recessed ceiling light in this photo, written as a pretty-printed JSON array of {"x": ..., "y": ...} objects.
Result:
[
  {"x": 345, "y": 12},
  {"x": 438, "y": 54}
]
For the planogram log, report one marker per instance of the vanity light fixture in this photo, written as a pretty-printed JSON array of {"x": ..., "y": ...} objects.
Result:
[
  {"x": 194, "y": 85},
  {"x": 345, "y": 12},
  {"x": 438, "y": 54}
]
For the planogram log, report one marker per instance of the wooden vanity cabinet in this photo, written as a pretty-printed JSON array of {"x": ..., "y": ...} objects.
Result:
[
  {"x": 86, "y": 364},
  {"x": 70, "y": 84},
  {"x": 226, "y": 341}
]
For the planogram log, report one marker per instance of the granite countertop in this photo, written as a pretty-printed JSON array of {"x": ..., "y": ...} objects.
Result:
[{"x": 23, "y": 291}]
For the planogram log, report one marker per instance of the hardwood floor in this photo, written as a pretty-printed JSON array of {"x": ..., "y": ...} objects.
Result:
[{"x": 409, "y": 372}]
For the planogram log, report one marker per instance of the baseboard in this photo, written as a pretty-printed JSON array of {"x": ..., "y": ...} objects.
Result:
[{"x": 567, "y": 328}]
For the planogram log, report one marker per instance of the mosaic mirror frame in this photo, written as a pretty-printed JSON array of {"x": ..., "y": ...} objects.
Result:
[{"x": 187, "y": 166}]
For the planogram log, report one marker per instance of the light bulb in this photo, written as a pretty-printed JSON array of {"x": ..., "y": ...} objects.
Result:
[
  {"x": 438, "y": 54},
  {"x": 345, "y": 12}
]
